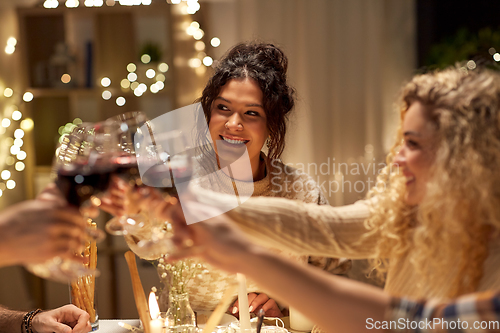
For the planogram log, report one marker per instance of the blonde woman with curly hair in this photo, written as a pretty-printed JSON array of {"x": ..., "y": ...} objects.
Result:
[
  {"x": 444, "y": 221},
  {"x": 431, "y": 224}
]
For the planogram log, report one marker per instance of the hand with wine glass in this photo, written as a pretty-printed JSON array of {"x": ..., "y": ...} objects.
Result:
[
  {"x": 81, "y": 169},
  {"x": 167, "y": 166},
  {"x": 37, "y": 230},
  {"x": 119, "y": 199},
  {"x": 163, "y": 161}
]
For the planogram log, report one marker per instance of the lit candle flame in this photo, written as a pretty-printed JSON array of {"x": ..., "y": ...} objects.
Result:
[{"x": 154, "y": 309}]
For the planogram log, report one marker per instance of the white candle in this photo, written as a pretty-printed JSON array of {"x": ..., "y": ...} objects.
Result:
[
  {"x": 243, "y": 303},
  {"x": 299, "y": 322},
  {"x": 154, "y": 309},
  {"x": 156, "y": 326}
]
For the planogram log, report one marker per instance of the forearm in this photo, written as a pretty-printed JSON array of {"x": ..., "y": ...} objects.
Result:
[
  {"x": 8, "y": 252},
  {"x": 334, "y": 303},
  {"x": 11, "y": 320},
  {"x": 307, "y": 229},
  {"x": 6, "y": 257}
]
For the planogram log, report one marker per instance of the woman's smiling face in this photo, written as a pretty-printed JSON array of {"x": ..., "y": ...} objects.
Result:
[
  {"x": 417, "y": 155},
  {"x": 238, "y": 119}
]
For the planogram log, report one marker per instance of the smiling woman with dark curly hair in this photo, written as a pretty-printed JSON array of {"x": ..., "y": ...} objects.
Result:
[{"x": 246, "y": 103}]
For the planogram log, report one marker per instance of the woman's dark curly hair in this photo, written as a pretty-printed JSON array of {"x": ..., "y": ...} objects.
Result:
[{"x": 267, "y": 65}]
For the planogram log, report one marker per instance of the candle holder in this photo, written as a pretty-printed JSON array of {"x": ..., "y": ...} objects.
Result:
[
  {"x": 224, "y": 329},
  {"x": 236, "y": 328},
  {"x": 163, "y": 317}
]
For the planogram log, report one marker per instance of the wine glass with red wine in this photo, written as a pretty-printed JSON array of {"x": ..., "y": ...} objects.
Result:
[
  {"x": 126, "y": 168},
  {"x": 82, "y": 169},
  {"x": 167, "y": 166}
]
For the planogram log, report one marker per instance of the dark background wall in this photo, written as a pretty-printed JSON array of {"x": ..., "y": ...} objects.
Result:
[{"x": 439, "y": 19}]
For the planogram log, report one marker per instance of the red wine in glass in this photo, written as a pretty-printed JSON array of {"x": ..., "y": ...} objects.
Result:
[
  {"x": 165, "y": 176},
  {"x": 79, "y": 184},
  {"x": 126, "y": 168}
]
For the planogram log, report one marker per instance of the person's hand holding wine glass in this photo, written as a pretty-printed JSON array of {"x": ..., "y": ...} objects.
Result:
[
  {"x": 166, "y": 166},
  {"x": 119, "y": 200},
  {"x": 34, "y": 231},
  {"x": 162, "y": 164},
  {"x": 81, "y": 169}
]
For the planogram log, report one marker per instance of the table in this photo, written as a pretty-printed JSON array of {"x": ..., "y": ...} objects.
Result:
[{"x": 111, "y": 325}]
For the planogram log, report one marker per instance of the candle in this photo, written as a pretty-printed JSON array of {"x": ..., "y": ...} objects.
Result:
[
  {"x": 154, "y": 309},
  {"x": 156, "y": 324},
  {"x": 243, "y": 303},
  {"x": 299, "y": 322},
  {"x": 129, "y": 327}
]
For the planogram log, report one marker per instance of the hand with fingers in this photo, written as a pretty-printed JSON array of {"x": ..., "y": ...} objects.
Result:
[
  {"x": 194, "y": 239},
  {"x": 215, "y": 240},
  {"x": 36, "y": 230},
  {"x": 66, "y": 319},
  {"x": 151, "y": 200},
  {"x": 124, "y": 199},
  {"x": 115, "y": 201},
  {"x": 259, "y": 301}
]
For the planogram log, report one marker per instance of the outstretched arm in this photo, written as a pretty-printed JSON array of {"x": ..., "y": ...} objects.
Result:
[
  {"x": 334, "y": 303},
  {"x": 306, "y": 229}
]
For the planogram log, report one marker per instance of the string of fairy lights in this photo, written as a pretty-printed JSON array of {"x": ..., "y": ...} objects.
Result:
[
  {"x": 140, "y": 78},
  {"x": 12, "y": 130},
  {"x": 192, "y": 6},
  {"x": 152, "y": 79}
]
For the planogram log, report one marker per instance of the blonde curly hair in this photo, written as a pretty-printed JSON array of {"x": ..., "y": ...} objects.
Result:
[{"x": 450, "y": 229}]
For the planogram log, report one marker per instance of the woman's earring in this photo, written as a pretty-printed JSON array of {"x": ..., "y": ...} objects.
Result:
[{"x": 268, "y": 143}]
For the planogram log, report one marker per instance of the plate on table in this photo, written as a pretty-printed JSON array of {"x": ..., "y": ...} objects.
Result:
[{"x": 202, "y": 318}]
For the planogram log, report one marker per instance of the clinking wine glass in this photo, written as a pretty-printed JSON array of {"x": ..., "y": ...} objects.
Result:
[
  {"x": 82, "y": 169},
  {"x": 126, "y": 167},
  {"x": 167, "y": 166}
]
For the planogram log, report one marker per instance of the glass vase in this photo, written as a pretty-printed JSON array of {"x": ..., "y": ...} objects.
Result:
[{"x": 180, "y": 315}]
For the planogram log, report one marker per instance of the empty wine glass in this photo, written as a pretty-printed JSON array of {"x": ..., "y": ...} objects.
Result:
[{"x": 81, "y": 169}]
